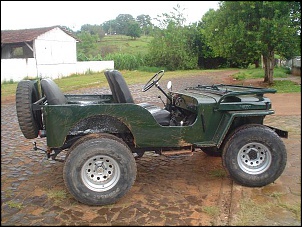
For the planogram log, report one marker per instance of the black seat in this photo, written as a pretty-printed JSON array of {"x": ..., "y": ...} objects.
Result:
[
  {"x": 121, "y": 94},
  {"x": 52, "y": 92},
  {"x": 118, "y": 86}
]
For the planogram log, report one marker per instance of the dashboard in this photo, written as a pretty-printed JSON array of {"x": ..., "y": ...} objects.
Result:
[{"x": 185, "y": 102}]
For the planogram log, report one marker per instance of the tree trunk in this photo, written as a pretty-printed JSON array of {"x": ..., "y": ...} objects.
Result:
[
  {"x": 257, "y": 64},
  {"x": 268, "y": 61}
]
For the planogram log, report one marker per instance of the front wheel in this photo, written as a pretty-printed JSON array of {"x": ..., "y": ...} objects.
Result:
[
  {"x": 99, "y": 169},
  {"x": 254, "y": 155}
]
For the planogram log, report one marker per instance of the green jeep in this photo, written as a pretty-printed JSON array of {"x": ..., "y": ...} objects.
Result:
[{"x": 104, "y": 134}]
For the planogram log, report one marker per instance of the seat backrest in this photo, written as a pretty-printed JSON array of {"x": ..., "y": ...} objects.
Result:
[
  {"x": 52, "y": 92},
  {"x": 118, "y": 86},
  {"x": 111, "y": 85},
  {"x": 120, "y": 92}
]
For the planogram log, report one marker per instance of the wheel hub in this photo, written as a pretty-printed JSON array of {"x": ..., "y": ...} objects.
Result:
[
  {"x": 99, "y": 168},
  {"x": 253, "y": 154},
  {"x": 254, "y": 158},
  {"x": 100, "y": 173}
]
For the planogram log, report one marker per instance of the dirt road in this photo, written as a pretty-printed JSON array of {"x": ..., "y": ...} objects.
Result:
[{"x": 286, "y": 104}]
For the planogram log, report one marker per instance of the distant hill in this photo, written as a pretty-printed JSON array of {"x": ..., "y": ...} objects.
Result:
[{"x": 123, "y": 44}]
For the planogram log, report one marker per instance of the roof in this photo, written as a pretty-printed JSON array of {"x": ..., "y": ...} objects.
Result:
[{"x": 27, "y": 35}]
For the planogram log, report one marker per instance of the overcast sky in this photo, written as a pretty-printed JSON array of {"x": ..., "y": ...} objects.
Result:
[{"x": 74, "y": 14}]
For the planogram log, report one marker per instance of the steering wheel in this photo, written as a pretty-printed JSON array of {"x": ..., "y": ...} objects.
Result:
[{"x": 153, "y": 80}]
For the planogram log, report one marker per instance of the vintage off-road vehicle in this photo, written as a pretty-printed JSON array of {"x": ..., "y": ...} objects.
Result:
[{"x": 104, "y": 134}]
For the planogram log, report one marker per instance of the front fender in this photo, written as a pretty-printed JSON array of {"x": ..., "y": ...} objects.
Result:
[{"x": 228, "y": 119}]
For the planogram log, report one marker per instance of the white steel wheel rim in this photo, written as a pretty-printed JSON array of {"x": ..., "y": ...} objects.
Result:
[
  {"x": 254, "y": 158},
  {"x": 100, "y": 173}
]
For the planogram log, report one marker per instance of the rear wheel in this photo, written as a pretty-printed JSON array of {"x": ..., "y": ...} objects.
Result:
[
  {"x": 254, "y": 155},
  {"x": 29, "y": 121},
  {"x": 99, "y": 169}
]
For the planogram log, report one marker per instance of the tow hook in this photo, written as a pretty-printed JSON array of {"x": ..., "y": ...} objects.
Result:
[
  {"x": 48, "y": 153},
  {"x": 36, "y": 148}
]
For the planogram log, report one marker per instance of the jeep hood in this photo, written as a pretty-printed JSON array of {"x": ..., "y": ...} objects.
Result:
[{"x": 231, "y": 97}]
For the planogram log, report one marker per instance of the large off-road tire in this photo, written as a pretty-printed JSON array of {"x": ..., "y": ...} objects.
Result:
[
  {"x": 99, "y": 169},
  {"x": 29, "y": 121},
  {"x": 254, "y": 155}
]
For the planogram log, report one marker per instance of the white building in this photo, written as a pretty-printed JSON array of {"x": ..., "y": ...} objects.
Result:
[{"x": 42, "y": 52}]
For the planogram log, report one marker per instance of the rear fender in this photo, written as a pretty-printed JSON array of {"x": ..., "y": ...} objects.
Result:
[{"x": 99, "y": 124}]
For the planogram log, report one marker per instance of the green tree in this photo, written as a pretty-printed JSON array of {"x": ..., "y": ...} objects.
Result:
[
  {"x": 93, "y": 30},
  {"x": 145, "y": 23},
  {"x": 86, "y": 48},
  {"x": 206, "y": 56},
  {"x": 110, "y": 27},
  {"x": 133, "y": 30},
  {"x": 176, "y": 16},
  {"x": 122, "y": 23},
  {"x": 245, "y": 30},
  {"x": 172, "y": 46}
]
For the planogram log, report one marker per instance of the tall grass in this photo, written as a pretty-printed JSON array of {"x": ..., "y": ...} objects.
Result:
[{"x": 126, "y": 61}]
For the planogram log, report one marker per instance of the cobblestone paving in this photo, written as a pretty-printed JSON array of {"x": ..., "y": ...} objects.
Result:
[{"x": 176, "y": 189}]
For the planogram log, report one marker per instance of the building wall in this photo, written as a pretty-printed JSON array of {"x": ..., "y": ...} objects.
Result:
[
  {"x": 55, "y": 47},
  {"x": 294, "y": 65},
  {"x": 18, "y": 69}
]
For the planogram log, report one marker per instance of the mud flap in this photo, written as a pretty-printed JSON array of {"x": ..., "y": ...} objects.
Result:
[{"x": 281, "y": 133}]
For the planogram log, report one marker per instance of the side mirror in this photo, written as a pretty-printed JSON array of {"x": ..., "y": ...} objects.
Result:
[{"x": 169, "y": 85}]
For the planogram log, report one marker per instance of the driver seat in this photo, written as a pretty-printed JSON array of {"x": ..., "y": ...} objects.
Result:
[{"x": 121, "y": 94}]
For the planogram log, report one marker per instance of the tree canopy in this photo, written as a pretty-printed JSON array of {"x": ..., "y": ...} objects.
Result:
[
  {"x": 244, "y": 31},
  {"x": 173, "y": 46}
]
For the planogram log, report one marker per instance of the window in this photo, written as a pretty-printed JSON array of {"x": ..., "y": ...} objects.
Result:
[{"x": 17, "y": 52}]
